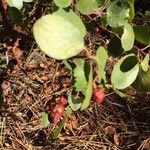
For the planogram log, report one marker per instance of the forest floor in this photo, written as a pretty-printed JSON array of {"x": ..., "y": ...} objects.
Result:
[{"x": 29, "y": 79}]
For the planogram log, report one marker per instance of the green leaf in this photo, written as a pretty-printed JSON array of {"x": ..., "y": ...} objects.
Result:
[
  {"x": 68, "y": 112},
  {"x": 114, "y": 47},
  {"x": 89, "y": 91},
  {"x": 101, "y": 58},
  {"x": 145, "y": 63},
  {"x": 15, "y": 3},
  {"x": 125, "y": 71},
  {"x": 63, "y": 3},
  {"x": 57, "y": 37},
  {"x": 142, "y": 34},
  {"x": 80, "y": 79},
  {"x": 58, "y": 130},
  {"x": 132, "y": 11},
  {"x": 68, "y": 64},
  {"x": 118, "y": 13},
  {"x": 74, "y": 104},
  {"x": 28, "y": 1},
  {"x": 45, "y": 120},
  {"x": 87, "y": 7},
  {"x": 72, "y": 18},
  {"x": 127, "y": 39}
]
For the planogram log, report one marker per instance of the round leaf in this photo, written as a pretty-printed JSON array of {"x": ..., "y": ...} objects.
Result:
[
  {"x": 57, "y": 37},
  {"x": 125, "y": 72},
  {"x": 63, "y": 3},
  {"x": 87, "y": 6},
  {"x": 127, "y": 39},
  {"x": 72, "y": 18},
  {"x": 118, "y": 13},
  {"x": 15, "y": 3}
]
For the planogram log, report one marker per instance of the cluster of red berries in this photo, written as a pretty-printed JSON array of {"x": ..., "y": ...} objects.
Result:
[{"x": 56, "y": 111}]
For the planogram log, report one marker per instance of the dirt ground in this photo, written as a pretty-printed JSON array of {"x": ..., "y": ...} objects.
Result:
[{"x": 29, "y": 79}]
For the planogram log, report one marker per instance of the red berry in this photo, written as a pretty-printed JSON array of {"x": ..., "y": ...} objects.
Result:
[
  {"x": 59, "y": 109},
  {"x": 56, "y": 113},
  {"x": 62, "y": 100},
  {"x": 98, "y": 95}
]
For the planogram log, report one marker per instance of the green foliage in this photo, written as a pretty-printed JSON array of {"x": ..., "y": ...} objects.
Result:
[
  {"x": 142, "y": 34},
  {"x": 125, "y": 71},
  {"x": 58, "y": 130},
  {"x": 142, "y": 82},
  {"x": 71, "y": 17},
  {"x": 118, "y": 13},
  {"x": 101, "y": 58},
  {"x": 17, "y": 3},
  {"x": 57, "y": 37},
  {"x": 45, "y": 120},
  {"x": 145, "y": 63},
  {"x": 127, "y": 39},
  {"x": 87, "y": 6},
  {"x": 75, "y": 104},
  {"x": 89, "y": 90},
  {"x": 64, "y": 3},
  {"x": 79, "y": 74}
]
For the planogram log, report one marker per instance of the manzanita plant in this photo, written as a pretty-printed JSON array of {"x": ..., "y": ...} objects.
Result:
[{"x": 61, "y": 35}]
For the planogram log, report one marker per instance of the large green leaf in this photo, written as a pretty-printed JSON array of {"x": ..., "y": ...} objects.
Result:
[
  {"x": 87, "y": 6},
  {"x": 142, "y": 34},
  {"x": 79, "y": 75},
  {"x": 127, "y": 39},
  {"x": 72, "y": 18},
  {"x": 63, "y": 3},
  {"x": 118, "y": 13},
  {"x": 57, "y": 37},
  {"x": 15, "y": 3},
  {"x": 89, "y": 90},
  {"x": 125, "y": 71},
  {"x": 101, "y": 57}
]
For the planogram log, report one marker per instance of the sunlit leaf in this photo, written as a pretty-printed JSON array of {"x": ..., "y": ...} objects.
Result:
[
  {"x": 125, "y": 71},
  {"x": 57, "y": 37},
  {"x": 45, "y": 120},
  {"x": 15, "y": 3},
  {"x": 63, "y": 3},
  {"x": 118, "y": 13},
  {"x": 72, "y": 18},
  {"x": 101, "y": 57},
  {"x": 87, "y": 6},
  {"x": 89, "y": 90},
  {"x": 79, "y": 75},
  {"x": 127, "y": 39},
  {"x": 145, "y": 63}
]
